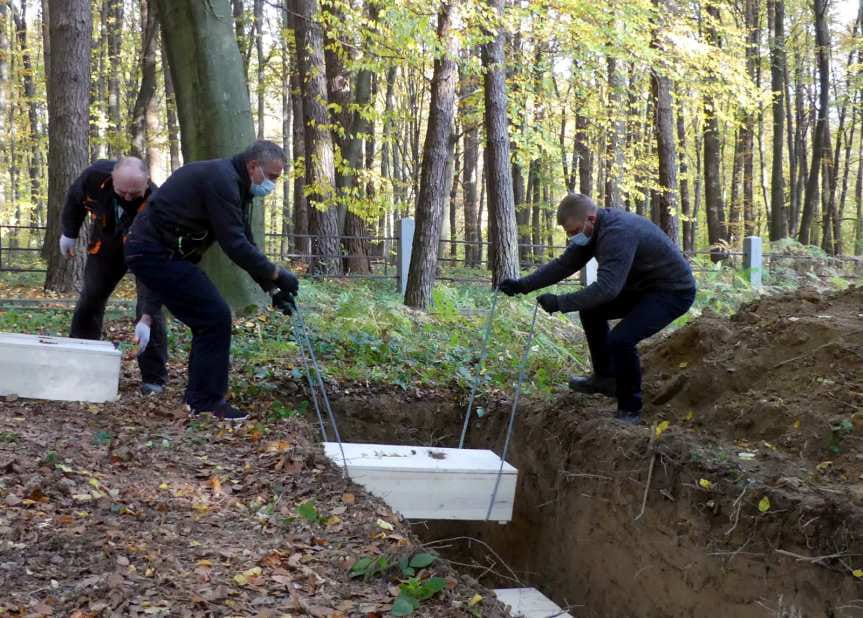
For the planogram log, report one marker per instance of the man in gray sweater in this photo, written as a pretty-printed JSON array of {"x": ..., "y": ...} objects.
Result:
[{"x": 643, "y": 279}]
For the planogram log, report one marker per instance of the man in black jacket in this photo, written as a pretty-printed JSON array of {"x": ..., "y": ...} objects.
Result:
[
  {"x": 112, "y": 192},
  {"x": 642, "y": 278},
  {"x": 203, "y": 202}
]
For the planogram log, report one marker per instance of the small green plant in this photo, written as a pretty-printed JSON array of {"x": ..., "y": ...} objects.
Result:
[
  {"x": 838, "y": 433},
  {"x": 410, "y": 564},
  {"x": 9, "y": 436},
  {"x": 309, "y": 512},
  {"x": 368, "y": 567},
  {"x": 281, "y": 412},
  {"x": 101, "y": 438},
  {"x": 50, "y": 459},
  {"x": 413, "y": 591}
]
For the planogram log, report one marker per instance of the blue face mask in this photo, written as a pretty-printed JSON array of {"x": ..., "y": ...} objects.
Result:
[
  {"x": 579, "y": 240},
  {"x": 265, "y": 188}
]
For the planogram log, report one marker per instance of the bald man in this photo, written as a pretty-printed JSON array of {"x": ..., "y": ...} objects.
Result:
[{"x": 111, "y": 192}]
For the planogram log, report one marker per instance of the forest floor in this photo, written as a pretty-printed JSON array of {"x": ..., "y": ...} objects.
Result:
[{"x": 741, "y": 490}]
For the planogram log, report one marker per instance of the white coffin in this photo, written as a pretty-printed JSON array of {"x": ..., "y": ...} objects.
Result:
[
  {"x": 58, "y": 368},
  {"x": 529, "y": 603},
  {"x": 430, "y": 483}
]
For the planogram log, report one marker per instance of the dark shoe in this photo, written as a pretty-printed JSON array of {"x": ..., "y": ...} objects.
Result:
[
  {"x": 593, "y": 385},
  {"x": 223, "y": 411},
  {"x": 625, "y": 416},
  {"x": 148, "y": 388}
]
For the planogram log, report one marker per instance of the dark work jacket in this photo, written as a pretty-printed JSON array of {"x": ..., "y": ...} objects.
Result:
[
  {"x": 633, "y": 255},
  {"x": 93, "y": 192},
  {"x": 207, "y": 201}
]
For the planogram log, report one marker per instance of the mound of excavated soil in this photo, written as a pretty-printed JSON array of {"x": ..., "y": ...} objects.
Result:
[{"x": 784, "y": 373}]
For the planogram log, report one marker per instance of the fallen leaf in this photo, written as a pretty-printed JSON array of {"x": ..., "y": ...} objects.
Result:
[
  {"x": 857, "y": 573},
  {"x": 216, "y": 485},
  {"x": 348, "y": 498},
  {"x": 279, "y": 446},
  {"x": 243, "y": 578},
  {"x": 475, "y": 600},
  {"x": 385, "y": 525},
  {"x": 661, "y": 427},
  {"x": 705, "y": 484},
  {"x": 683, "y": 365},
  {"x": 764, "y": 504}
]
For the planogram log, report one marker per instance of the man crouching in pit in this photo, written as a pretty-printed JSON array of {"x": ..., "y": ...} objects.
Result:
[{"x": 642, "y": 279}]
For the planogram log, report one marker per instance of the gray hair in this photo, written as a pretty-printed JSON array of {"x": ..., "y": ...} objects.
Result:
[
  {"x": 575, "y": 206},
  {"x": 132, "y": 163},
  {"x": 264, "y": 151}
]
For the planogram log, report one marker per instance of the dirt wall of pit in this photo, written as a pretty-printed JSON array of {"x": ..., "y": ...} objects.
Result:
[{"x": 695, "y": 552}]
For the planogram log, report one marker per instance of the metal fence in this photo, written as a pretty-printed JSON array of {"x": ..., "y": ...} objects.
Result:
[
  {"x": 21, "y": 248},
  {"x": 388, "y": 257}
]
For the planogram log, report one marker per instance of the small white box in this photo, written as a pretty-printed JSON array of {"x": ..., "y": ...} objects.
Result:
[
  {"x": 422, "y": 482},
  {"x": 529, "y": 603},
  {"x": 58, "y": 368}
]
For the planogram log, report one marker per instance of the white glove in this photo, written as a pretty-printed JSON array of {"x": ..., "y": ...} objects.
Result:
[
  {"x": 142, "y": 334},
  {"x": 67, "y": 246}
]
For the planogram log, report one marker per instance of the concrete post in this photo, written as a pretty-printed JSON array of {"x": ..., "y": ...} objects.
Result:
[
  {"x": 405, "y": 235},
  {"x": 753, "y": 260},
  {"x": 588, "y": 273}
]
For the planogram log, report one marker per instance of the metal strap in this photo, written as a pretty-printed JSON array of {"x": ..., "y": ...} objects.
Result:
[
  {"x": 323, "y": 389},
  {"x": 521, "y": 371},
  {"x": 302, "y": 342},
  {"x": 479, "y": 367}
]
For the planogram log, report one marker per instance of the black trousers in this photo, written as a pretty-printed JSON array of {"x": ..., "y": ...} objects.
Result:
[
  {"x": 192, "y": 298},
  {"x": 102, "y": 273},
  {"x": 614, "y": 352}
]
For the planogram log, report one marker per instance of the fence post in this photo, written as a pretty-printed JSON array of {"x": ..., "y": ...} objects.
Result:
[
  {"x": 588, "y": 272},
  {"x": 405, "y": 235},
  {"x": 753, "y": 259}
]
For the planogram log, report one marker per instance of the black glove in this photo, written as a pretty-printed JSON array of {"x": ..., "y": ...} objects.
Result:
[
  {"x": 548, "y": 302},
  {"x": 287, "y": 282},
  {"x": 284, "y": 302},
  {"x": 511, "y": 287}
]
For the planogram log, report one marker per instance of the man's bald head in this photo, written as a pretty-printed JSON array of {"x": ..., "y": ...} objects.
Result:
[{"x": 131, "y": 178}]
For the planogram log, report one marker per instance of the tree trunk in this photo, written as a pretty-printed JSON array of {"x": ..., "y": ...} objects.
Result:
[
  {"x": 504, "y": 239},
  {"x": 538, "y": 251},
  {"x": 778, "y": 214},
  {"x": 35, "y": 163},
  {"x": 821, "y": 137},
  {"x": 436, "y": 167},
  {"x": 302, "y": 243},
  {"x": 145, "y": 105},
  {"x": 287, "y": 127},
  {"x": 747, "y": 130},
  {"x": 115, "y": 41},
  {"x": 388, "y": 151},
  {"x": 68, "y": 131},
  {"x": 664, "y": 129},
  {"x": 356, "y": 126},
  {"x": 858, "y": 199},
  {"x": 6, "y": 110},
  {"x": 585, "y": 160},
  {"x": 469, "y": 180},
  {"x": 685, "y": 208},
  {"x": 614, "y": 155},
  {"x": 734, "y": 202},
  {"x": 214, "y": 113},
  {"x": 172, "y": 124},
  {"x": 319, "y": 158},
  {"x": 259, "y": 48},
  {"x": 453, "y": 209},
  {"x": 716, "y": 232}
]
